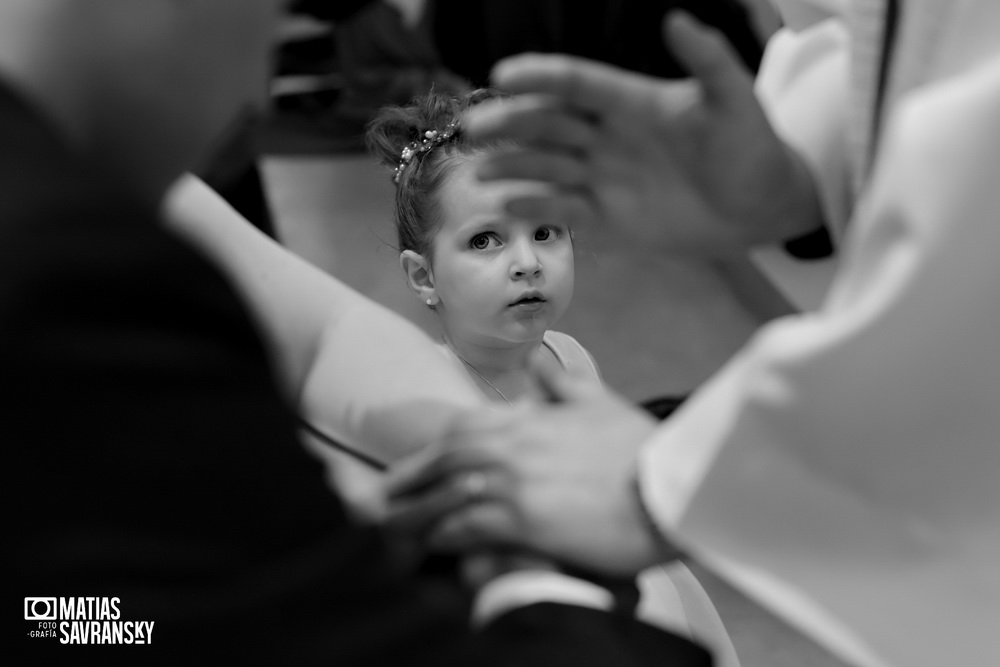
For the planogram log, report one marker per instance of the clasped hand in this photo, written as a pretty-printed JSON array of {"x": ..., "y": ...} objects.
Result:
[{"x": 549, "y": 478}]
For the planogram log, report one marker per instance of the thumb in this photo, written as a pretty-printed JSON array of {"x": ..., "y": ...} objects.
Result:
[
  {"x": 557, "y": 385},
  {"x": 708, "y": 56}
]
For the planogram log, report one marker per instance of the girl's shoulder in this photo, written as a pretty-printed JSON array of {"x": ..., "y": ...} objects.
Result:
[{"x": 571, "y": 354}]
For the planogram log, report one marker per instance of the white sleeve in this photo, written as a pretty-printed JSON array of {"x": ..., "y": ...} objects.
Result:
[
  {"x": 803, "y": 85},
  {"x": 359, "y": 371},
  {"x": 844, "y": 468},
  {"x": 525, "y": 587}
]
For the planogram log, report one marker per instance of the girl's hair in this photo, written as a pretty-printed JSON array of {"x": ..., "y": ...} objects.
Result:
[{"x": 421, "y": 142}]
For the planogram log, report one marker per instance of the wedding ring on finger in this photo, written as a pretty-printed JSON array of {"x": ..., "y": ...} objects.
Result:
[{"x": 474, "y": 486}]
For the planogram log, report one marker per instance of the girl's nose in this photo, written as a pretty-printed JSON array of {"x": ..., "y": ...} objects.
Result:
[{"x": 524, "y": 261}]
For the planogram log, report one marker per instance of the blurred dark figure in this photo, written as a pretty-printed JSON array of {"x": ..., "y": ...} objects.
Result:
[
  {"x": 152, "y": 458},
  {"x": 382, "y": 55},
  {"x": 233, "y": 172},
  {"x": 472, "y": 36}
]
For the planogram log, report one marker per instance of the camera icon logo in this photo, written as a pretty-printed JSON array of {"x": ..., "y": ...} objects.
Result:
[{"x": 40, "y": 609}]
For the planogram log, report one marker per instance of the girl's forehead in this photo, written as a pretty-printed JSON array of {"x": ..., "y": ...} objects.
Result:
[
  {"x": 462, "y": 191},
  {"x": 475, "y": 208}
]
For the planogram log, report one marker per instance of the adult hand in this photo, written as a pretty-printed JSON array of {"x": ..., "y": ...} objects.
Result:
[
  {"x": 552, "y": 478},
  {"x": 686, "y": 165}
]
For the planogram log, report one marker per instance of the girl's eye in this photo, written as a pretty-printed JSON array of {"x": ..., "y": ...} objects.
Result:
[
  {"x": 544, "y": 233},
  {"x": 481, "y": 241}
]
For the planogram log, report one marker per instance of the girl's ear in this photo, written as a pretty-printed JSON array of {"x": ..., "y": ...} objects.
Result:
[{"x": 419, "y": 276}]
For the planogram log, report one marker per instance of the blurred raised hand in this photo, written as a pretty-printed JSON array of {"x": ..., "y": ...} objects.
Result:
[{"x": 684, "y": 166}]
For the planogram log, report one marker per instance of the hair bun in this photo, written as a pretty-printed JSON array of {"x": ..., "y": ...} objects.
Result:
[{"x": 394, "y": 127}]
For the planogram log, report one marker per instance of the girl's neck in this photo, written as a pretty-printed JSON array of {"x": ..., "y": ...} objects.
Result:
[
  {"x": 501, "y": 373},
  {"x": 494, "y": 360}
]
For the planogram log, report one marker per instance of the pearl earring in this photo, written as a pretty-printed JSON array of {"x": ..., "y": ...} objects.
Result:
[{"x": 430, "y": 301}]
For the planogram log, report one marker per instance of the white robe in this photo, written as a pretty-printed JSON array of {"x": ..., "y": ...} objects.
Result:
[{"x": 844, "y": 468}]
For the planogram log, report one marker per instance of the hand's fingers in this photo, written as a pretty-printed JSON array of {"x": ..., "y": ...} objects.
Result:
[
  {"x": 584, "y": 84},
  {"x": 556, "y": 168},
  {"x": 708, "y": 56},
  {"x": 573, "y": 209},
  {"x": 417, "y": 514},
  {"x": 534, "y": 119},
  {"x": 416, "y": 471},
  {"x": 485, "y": 525},
  {"x": 427, "y": 468},
  {"x": 430, "y": 464}
]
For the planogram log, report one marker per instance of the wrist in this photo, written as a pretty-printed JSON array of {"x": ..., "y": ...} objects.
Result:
[
  {"x": 659, "y": 546},
  {"x": 798, "y": 211}
]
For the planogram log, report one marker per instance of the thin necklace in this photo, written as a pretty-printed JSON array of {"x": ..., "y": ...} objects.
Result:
[{"x": 481, "y": 376}]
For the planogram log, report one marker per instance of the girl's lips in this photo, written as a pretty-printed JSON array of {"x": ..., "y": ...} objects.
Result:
[
  {"x": 529, "y": 298},
  {"x": 529, "y": 304}
]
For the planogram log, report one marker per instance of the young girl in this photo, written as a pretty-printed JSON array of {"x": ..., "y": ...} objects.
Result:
[
  {"x": 497, "y": 284},
  {"x": 358, "y": 372}
]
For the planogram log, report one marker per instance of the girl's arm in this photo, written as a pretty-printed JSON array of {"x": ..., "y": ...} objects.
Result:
[{"x": 352, "y": 367}]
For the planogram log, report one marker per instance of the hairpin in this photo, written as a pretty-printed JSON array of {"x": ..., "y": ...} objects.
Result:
[{"x": 431, "y": 139}]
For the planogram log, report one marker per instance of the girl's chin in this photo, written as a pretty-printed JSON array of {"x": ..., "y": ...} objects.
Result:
[{"x": 525, "y": 333}]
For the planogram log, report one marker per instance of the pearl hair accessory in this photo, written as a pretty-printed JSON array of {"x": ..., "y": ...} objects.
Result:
[{"x": 431, "y": 139}]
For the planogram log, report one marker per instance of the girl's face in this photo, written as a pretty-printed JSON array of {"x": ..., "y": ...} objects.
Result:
[{"x": 497, "y": 279}]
